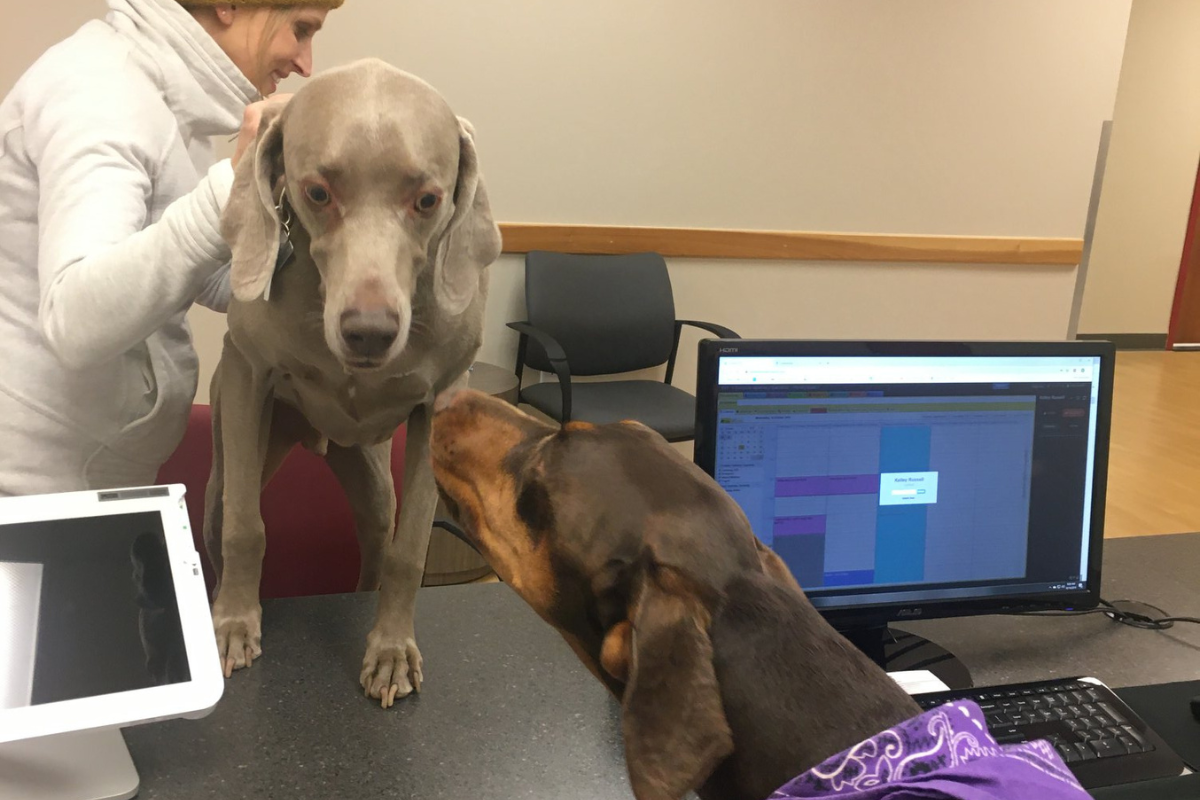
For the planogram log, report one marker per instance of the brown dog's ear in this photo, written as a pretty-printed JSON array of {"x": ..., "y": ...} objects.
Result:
[
  {"x": 250, "y": 223},
  {"x": 672, "y": 716},
  {"x": 471, "y": 240},
  {"x": 774, "y": 568}
]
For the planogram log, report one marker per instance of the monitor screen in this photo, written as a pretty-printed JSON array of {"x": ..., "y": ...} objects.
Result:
[
  {"x": 87, "y": 607},
  {"x": 912, "y": 480}
]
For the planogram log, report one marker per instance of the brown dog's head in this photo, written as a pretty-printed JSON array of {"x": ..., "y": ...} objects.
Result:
[
  {"x": 383, "y": 178},
  {"x": 622, "y": 545}
]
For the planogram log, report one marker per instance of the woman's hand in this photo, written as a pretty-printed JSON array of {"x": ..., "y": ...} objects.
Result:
[{"x": 250, "y": 121}]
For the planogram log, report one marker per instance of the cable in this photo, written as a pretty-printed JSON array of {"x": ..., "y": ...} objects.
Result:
[{"x": 1133, "y": 619}]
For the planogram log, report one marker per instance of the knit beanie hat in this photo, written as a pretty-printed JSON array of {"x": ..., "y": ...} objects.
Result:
[{"x": 268, "y": 3}]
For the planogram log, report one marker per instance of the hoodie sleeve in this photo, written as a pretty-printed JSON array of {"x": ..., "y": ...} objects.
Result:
[
  {"x": 217, "y": 292},
  {"x": 107, "y": 279}
]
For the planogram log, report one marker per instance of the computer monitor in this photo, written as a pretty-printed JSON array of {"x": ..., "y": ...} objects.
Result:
[{"x": 913, "y": 480}]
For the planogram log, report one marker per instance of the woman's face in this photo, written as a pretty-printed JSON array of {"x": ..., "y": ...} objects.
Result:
[{"x": 268, "y": 45}]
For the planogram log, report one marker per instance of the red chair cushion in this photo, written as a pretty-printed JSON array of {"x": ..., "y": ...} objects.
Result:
[{"x": 311, "y": 547}]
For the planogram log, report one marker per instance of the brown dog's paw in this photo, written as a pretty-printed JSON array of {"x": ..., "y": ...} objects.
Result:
[
  {"x": 391, "y": 669},
  {"x": 239, "y": 638}
]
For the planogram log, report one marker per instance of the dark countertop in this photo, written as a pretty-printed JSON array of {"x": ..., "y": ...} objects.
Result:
[
  {"x": 508, "y": 712},
  {"x": 1161, "y": 570}
]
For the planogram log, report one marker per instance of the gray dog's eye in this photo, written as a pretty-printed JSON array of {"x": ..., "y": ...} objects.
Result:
[
  {"x": 319, "y": 195},
  {"x": 427, "y": 202}
]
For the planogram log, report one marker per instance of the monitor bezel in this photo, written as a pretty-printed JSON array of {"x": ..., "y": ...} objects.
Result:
[
  {"x": 877, "y": 614},
  {"x": 191, "y": 699}
]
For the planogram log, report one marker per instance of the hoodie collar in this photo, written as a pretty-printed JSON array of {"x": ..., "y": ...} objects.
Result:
[{"x": 200, "y": 83}]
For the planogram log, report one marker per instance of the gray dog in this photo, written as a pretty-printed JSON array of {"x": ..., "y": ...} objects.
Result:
[{"x": 361, "y": 236}]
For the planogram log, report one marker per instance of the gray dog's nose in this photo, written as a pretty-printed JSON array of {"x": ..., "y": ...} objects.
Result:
[{"x": 369, "y": 334}]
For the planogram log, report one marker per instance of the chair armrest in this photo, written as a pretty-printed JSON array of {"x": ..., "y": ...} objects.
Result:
[
  {"x": 455, "y": 531},
  {"x": 554, "y": 353},
  {"x": 711, "y": 327}
]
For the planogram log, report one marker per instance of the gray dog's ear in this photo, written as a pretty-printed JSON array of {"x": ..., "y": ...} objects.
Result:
[
  {"x": 250, "y": 223},
  {"x": 672, "y": 716},
  {"x": 471, "y": 240}
]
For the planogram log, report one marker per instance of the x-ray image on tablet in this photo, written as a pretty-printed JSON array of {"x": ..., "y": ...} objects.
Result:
[
  {"x": 104, "y": 623},
  {"x": 91, "y": 609}
]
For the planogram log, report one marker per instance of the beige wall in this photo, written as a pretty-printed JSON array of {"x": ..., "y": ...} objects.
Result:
[
  {"x": 927, "y": 116},
  {"x": 29, "y": 28},
  {"x": 1150, "y": 174}
]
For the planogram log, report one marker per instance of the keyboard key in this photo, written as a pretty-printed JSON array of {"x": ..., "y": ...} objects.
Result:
[
  {"x": 1007, "y": 734},
  {"x": 1106, "y": 748},
  {"x": 1108, "y": 710},
  {"x": 1135, "y": 734},
  {"x": 1085, "y": 753},
  {"x": 1131, "y": 744},
  {"x": 1069, "y": 753}
]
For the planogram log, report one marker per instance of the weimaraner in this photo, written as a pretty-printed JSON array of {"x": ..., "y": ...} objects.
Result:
[
  {"x": 374, "y": 182},
  {"x": 731, "y": 683}
]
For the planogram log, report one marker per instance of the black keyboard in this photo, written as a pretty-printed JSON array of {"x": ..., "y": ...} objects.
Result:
[{"x": 1100, "y": 738}]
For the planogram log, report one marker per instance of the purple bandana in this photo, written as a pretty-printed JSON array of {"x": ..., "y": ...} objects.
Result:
[{"x": 945, "y": 753}]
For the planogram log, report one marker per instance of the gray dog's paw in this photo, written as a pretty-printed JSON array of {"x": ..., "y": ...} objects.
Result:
[
  {"x": 239, "y": 638},
  {"x": 391, "y": 669}
]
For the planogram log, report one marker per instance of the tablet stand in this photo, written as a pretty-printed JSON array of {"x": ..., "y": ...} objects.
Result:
[{"x": 88, "y": 765}]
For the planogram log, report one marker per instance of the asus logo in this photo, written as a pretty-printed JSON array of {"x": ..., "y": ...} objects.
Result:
[
  {"x": 910, "y": 612},
  {"x": 728, "y": 350}
]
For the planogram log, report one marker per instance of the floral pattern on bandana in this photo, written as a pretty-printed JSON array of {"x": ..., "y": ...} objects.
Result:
[{"x": 946, "y": 752}]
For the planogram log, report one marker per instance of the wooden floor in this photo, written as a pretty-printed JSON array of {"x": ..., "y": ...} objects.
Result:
[{"x": 1154, "y": 465}]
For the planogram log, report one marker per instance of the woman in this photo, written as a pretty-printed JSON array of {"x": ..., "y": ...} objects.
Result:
[{"x": 110, "y": 206}]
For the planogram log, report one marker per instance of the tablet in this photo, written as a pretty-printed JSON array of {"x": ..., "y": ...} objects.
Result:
[{"x": 104, "y": 616}]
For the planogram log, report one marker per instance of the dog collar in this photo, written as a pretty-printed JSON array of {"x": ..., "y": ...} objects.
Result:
[{"x": 283, "y": 211}]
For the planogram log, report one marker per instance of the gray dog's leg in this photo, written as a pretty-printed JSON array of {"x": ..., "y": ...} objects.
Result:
[
  {"x": 245, "y": 425},
  {"x": 214, "y": 506},
  {"x": 365, "y": 474},
  {"x": 392, "y": 665}
]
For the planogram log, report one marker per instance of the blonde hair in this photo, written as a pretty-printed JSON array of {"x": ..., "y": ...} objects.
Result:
[
  {"x": 278, "y": 16},
  {"x": 277, "y": 19}
]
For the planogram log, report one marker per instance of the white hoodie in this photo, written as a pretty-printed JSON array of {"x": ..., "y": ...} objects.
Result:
[{"x": 109, "y": 230}]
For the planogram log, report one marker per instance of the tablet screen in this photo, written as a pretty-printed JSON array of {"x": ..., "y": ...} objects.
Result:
[{"x": 87, "y": 607}]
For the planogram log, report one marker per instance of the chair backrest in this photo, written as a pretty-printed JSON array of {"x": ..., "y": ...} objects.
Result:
[
  {"x": 609, "y": 313},
  {"x": 311, "y": 546}
]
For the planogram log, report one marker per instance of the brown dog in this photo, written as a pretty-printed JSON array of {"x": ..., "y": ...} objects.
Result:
[{"x": 730, "y": 681}]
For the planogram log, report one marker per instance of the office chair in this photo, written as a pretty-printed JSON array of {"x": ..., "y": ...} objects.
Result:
[{"x": 603, "y": 315}]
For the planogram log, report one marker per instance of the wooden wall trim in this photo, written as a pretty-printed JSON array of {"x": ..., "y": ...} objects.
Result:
[{"x": 520, "y": 237}]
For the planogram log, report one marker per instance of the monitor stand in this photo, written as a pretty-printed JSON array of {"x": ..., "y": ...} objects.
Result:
[
  {"x": 88, "y": 765},
  {"x": 896, "y": 650}
]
